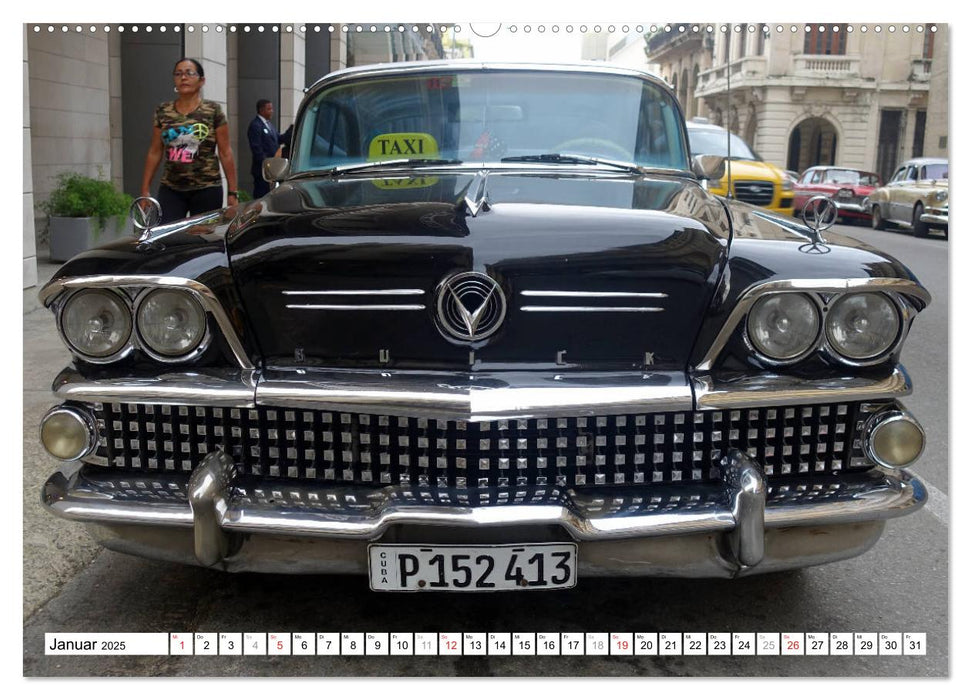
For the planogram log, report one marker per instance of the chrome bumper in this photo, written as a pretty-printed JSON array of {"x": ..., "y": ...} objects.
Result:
[
  {"x": 935, "y": 219},
  {"x": 737, "y": 526},
  {"x": 850, "y": 208}
]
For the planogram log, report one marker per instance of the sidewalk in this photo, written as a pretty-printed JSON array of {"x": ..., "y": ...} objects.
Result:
[{"x": 54, "y": 549}]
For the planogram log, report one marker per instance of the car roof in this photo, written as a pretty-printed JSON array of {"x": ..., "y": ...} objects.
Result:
[
  {"x": 837, "y": 167},
  {"x": 924, "y": 161},
  {"x": 597, "y": 67}
]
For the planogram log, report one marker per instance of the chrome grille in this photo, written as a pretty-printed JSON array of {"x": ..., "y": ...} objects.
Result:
[
  {"x": 754, "y": 191},
  {"x": 352, "y": 448}
]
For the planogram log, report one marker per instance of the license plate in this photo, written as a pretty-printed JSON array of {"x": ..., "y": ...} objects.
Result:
[{"x": 506, "y": 567}]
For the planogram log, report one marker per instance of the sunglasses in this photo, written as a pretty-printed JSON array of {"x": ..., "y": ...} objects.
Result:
[{"x": 186, "y": 73}]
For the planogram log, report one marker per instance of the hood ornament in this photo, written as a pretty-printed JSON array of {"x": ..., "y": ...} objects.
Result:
[
  {"x": 145, "y": 213},
  {"x": 471, "y": 306},
  {"x": 819, "y": 214},
  {"x": 475, "y": 194}
]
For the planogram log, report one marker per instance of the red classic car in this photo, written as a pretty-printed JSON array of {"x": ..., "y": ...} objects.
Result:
[{"x": 847, "y": 187}]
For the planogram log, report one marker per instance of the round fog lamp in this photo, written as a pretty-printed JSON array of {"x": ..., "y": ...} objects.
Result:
[
  {"x": 66, "y": 434},
  {"x": 896, "y": 441}
]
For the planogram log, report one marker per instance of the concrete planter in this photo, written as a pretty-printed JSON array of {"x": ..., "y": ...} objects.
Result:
[{"x": 72, "y": 235}]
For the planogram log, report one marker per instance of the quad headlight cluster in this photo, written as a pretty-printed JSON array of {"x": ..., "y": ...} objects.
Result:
[
  {"x": 855, "y": 328},
  {"x": 103, "y": 325}
]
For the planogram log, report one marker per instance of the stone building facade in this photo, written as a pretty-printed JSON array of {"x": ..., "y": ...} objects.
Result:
[
  {"x": 834, "y": 94},
  {"x": 90, "y": 92}
]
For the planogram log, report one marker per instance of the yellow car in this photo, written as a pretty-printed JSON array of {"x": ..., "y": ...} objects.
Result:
[{"x": 753, "y": 180}]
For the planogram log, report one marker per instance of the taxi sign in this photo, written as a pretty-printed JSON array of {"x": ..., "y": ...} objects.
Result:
[{"x": 403, "y": 145}]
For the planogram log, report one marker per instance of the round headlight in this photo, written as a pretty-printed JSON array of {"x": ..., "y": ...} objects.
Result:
[
  {"x": 66, "y": 434},
  {"x": 170, "y": 322},
  {"x": 96, "y": 323},
  {"x": 862, "y": 326},
  {"x": 784, "y": 327}
]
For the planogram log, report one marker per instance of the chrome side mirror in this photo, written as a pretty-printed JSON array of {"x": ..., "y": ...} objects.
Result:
[
  {"x": 145, "y": 212},
  {"x": 708, "y": 167},
  {"x": 275, "y": 169}
]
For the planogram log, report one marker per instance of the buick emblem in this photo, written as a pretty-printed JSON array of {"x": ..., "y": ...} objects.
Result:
[{"x": 471, "y": 306}]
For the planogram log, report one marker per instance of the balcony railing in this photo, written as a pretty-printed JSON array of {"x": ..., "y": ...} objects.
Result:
[
  {"x": 747, "y": 67},
  {"x": 814, "y": 66}
]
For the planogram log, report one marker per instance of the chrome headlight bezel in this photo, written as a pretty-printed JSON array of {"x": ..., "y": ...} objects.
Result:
[
  {"x": 830, "y": 350},
  {"x": 783, "y": 362},
  {"x": 124, "y": 349},
  {"x": 823, "y": 346},
  {"x": 145, "y": 347}
]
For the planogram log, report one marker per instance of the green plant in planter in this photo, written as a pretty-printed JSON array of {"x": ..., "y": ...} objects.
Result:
[
  {"x": 83, "y": 212},
  {"x": 77, "y": 195}
]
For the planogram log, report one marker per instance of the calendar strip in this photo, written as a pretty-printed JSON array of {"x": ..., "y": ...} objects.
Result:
[{"x": 487, "y": 644}]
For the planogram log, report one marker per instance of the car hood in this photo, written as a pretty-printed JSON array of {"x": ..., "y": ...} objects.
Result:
[
  {"x": 753, "y": 170},
  {"x": 595, "y": 271}
]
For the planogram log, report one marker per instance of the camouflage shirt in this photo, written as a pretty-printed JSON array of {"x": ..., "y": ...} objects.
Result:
[{"x": 189, "y": 142}]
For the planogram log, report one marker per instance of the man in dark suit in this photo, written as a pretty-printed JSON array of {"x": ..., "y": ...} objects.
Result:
[{"x": 263, "y": 142}]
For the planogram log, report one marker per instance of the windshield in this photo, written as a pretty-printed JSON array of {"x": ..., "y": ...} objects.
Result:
[
  {"x": 935, "y": 171},
  {"x": 485, "y": 116},
  {"x": 709, "y": 142},
  {"x": 843, "y": 177}
]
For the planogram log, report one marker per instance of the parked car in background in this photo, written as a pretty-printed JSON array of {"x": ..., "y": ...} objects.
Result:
[
  {"x": 489, "y": 331},
  {"x": 847, "y": 187},
  {"x": 753, "y": 180},
  {"x": 916, "y": 197}
]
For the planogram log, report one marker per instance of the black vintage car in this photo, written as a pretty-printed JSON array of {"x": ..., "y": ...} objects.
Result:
[{"x": 490, "y": 330}]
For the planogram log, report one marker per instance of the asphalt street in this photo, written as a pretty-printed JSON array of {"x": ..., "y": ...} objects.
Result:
[{"x": 901, "y": 585}]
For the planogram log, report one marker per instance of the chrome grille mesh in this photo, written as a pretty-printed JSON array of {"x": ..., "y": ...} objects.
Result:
[
  {"x": 337, "y": 447},
  {"x": 754, "y": 191}
]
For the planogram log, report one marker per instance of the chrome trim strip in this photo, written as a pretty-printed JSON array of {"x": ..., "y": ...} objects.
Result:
[
  {"x": 483, "y": 396},
  {"x": 154, "y": 233},
  {"x": 719, "y": 392},
  {"x": 356, "y": 292},
  {"x": 584, "y": 309},
  {"x": 551, "y": 293},
  {"x": 205, "y": 296},
  {"x": 877, "y": 495},
  {"x": 358, "y": 307},
  {"x": 231, "y": 389},
  {"x": 752, "y": 294}
]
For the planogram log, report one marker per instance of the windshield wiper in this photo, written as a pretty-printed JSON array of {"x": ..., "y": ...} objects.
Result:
[
  {"x": 573, "y": 159},
  {"x": 378, "y": 164}
]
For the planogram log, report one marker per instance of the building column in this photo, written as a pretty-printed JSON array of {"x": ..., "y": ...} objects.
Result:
[
  {"x": 293, "y": 51},
  {"x": 115, "y": 114},
  {"x": 338, "y": 51},
  {"x": 30, "y": 245}
]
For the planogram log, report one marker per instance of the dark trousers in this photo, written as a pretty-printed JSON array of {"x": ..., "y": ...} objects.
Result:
[
  {"x": 178, "y": 204},
  {"x": 260, "y": 186}
]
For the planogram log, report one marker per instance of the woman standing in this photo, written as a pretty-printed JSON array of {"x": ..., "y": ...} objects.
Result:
[{"x": 186, "y": 134}]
